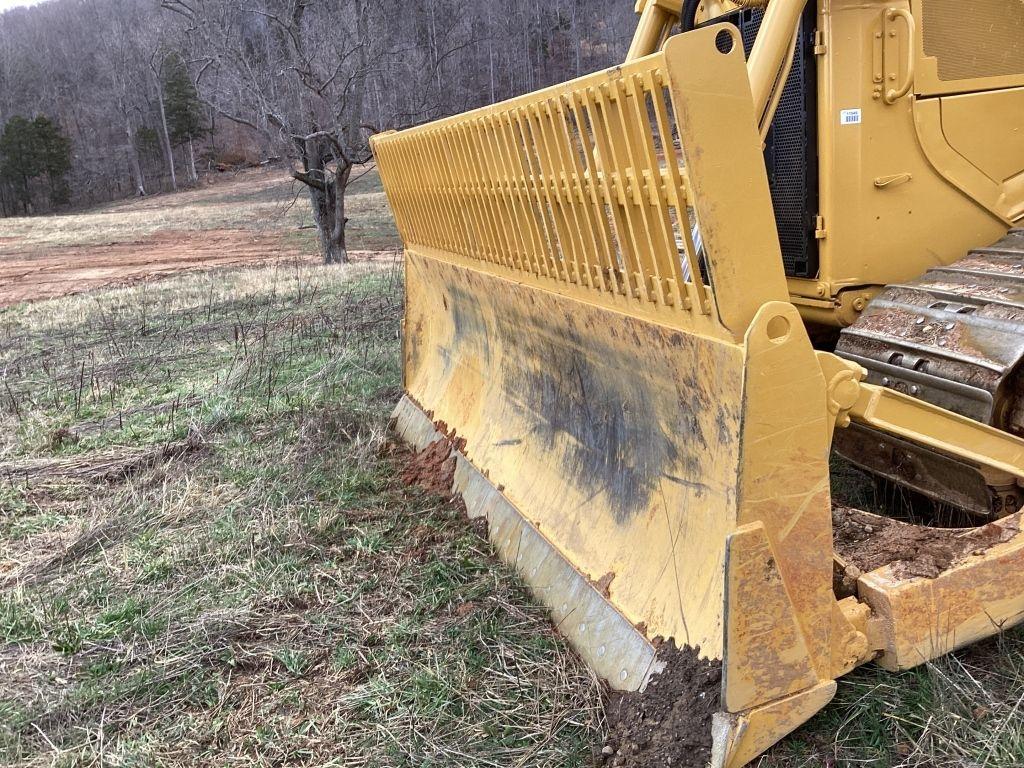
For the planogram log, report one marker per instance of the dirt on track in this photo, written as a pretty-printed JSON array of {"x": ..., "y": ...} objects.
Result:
[{"x": 36, "y": 273}]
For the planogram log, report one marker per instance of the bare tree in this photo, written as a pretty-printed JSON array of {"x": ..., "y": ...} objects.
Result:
[
  {"x": 336, "y": 139},
  {"x": 156, "y": 60},
  {"x": 123, "y": 61},
  {"x": 297, "y": 71}
]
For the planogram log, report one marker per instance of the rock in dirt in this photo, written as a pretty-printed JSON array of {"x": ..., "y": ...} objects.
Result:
[{"x": 669, "y": 723}]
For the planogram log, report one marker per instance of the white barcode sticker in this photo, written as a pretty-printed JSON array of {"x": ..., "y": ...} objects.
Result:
[{"x": 849, "y": 117}]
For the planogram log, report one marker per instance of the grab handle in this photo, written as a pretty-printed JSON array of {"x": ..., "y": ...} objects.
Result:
[{"x": 893, "y": 94}]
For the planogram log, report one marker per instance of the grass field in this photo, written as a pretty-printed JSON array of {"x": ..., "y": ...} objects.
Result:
[
  {"x": 253, "y": 217},
  {"x": 207, "y": 558},
  {"x": 265, "y": 200}
]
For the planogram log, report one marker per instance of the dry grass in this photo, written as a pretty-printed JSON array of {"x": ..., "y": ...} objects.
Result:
[
  {"x": 265, "y": 200},
  {"x": 208, "y": 207},
  {"x": 207, "y": 560},
  {"x": 961, "y": 711}
]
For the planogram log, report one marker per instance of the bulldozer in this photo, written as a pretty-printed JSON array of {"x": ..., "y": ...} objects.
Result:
[{"x": 645, "y": 308}]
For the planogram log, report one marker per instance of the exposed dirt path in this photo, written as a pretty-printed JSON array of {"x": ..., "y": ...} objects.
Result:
[{"x": 42, "y": 273}]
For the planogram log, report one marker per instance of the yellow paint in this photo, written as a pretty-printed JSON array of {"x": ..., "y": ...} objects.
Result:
[
  {"x": 784, "y": 481},
  {"x": 767, "y": 655},
  {"x": 657, "y": 416},
  {"x": 995, "y": 147},
  {"x": 741, "y": 738},
  {"x": 878, "y": 235},
  {"x": 575, "y": 188},
  {"x": 578, "y": 414},
  {"x": 922, "y": 619}
]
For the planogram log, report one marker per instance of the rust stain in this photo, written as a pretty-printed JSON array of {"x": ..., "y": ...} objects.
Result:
[{"x": 603, "y": 585}]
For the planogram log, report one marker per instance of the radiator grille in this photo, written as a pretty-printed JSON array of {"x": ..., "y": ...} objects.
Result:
[
  {"x": 791, "y": 147},
  {"x": 974, "y": 38}
]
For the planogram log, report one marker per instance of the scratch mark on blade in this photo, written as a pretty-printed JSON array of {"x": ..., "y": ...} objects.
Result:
[
  {"x": 687, "y": 483},
  {"x": 822, "y": 485},
  {"x": 675, "y": 564}
]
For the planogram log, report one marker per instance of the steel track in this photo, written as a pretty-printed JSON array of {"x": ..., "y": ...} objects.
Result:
[{"x": 955, "y": 338}]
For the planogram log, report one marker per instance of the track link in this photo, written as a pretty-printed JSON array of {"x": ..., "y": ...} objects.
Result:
[{"x": 955, "y": 338}]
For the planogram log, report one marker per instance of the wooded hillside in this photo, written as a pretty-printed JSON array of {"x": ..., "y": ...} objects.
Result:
[{"x": 101, "y": 99}]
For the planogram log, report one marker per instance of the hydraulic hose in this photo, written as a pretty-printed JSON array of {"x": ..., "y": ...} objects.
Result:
[
  {"x": 689, "y": 15},
  {"x": 690, "y": 7}
]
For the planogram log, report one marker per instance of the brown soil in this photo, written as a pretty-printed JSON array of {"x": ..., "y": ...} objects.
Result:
[
  {"x": 433, "y": 468},
  {"x": 669, "y": 723},
  {"x": 868, "y": 542},
  {"x": 42, "y": 273}
]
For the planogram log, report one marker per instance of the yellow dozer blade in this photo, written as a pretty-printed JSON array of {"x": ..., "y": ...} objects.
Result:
[{"x": 643, "y": 422}]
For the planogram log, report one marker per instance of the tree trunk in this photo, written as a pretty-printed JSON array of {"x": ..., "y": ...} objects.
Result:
[
  {"x": 192, "y": 162},
  {"x": 329, "y": 215},
  {"x": 327, "y": 198},
  {"x": 341, "y": 180},
  {"x": 26, "y": 196},
  {"x": 133, "y": 160},
  {"x": 357, "y": 100},
  {"x": 325, "y": 208},
  {"x": 168, "y": 152}
]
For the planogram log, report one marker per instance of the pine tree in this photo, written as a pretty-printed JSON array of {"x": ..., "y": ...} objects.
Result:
[
  {"x": 185, "y": 119},
  {"x": 19, "y": 159},
  {"x": 30, "y": 149},
  {"x": 55, "y": 158},
  {"x": 147, "y": 142}
]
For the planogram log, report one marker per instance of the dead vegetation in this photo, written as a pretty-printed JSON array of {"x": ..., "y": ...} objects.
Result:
[
  {"x": 208, "y": 557},
  {"x": 961, "y": 711}
]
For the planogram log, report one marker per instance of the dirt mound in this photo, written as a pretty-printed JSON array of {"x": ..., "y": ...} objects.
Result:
[
  {"x": 433, "y": 468},
  {"x": 669, "y": 723},
  {"x": 870, "y": 541}
]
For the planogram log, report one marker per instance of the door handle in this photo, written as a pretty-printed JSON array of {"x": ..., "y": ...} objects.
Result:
[{"x": 892, "y": 181}]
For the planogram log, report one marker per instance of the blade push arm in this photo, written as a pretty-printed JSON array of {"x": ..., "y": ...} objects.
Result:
[
  {"x": 656, "y": 19},
  {"x": 852, "y": 399}
]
